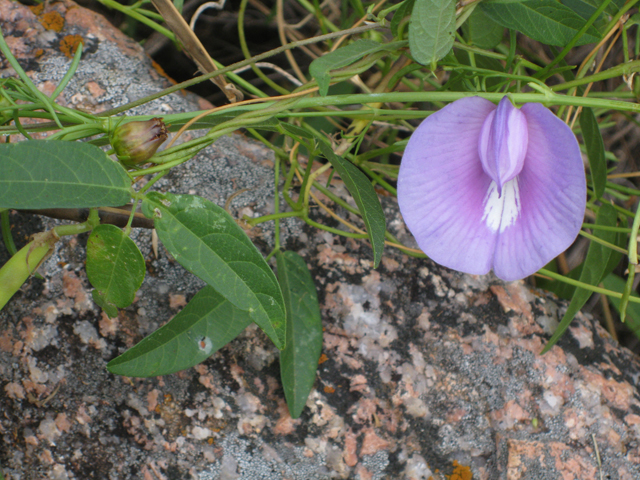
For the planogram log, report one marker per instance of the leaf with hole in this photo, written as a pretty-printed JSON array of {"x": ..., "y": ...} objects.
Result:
[
  {"x": 546, "y": 21},
  {"x": 432, "y": 30},
  {"x": 55, "y": 174},
  {"x": 299, "y": 359},
  {"x": 205, "y": 240},
  {"x": 365, "y": 197},
  {"x": 205, "y": 325},
  {"x": 115, "y": 267}
]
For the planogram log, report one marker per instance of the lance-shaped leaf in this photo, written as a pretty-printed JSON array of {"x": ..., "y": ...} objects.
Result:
[
  {"x": 595, "y": 150},
  {"x": 593, "y": 270},
  {"x": 365, "y": 197},
  {"x": 205, "y": 240},
  {"x": 432, "y": 30},
  {"x": 115, "y": 267},
  {"x": 201, "y": 328},
  {"x": 55, "y": 174},
  {"x": 299, "y": 359}
]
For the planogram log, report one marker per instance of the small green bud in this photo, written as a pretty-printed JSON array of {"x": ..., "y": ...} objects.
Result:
[{"x": 136, "y": 142}]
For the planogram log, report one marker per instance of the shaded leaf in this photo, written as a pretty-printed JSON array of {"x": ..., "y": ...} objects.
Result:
[
  {"x": 586, "y": 8},
  {"x": 595, "y": 150},
  {"x": 400, "y": 14},
  {"x": 365, "y": 197},
  {"x": 299, "y": 359},
  {"x": 482, "y": 31},
  {"x": 594, "y": 267},
  {"x": 115, "y": 267},
  {"x": 205, "y": 240},
  {"x": 546, "y": 21},
  {"x": 432, "y": 30},
  {"x": 205, "y": 325},
  {"x": 55, "y": 174}
]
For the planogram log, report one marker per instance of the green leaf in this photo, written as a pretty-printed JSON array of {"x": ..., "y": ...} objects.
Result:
[
  {"x": 205, "y": 240},
  {"x": 365, "y": 197},
  {"x": 595, "y": 150},
  {"x": 617, "y": 284},
  {"x": 205, "y": 325},
  {"x": 586, "y": 8},
  {"x": 342, "y": 57},
  {"x": 432, "y": 30},
  {"x": 299, "y": 359},
  {"x": 546, "y": 21},
  {"x": 400, "y": 14},
  {"x": 55, "y": 174},
  {"x": 115, "y": 267},
  {"x": 482, "y": 31},
  {"x": 593, "y": 270}
]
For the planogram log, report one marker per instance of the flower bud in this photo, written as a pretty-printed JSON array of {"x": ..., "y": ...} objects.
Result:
[{"x": 136, "y": 142}]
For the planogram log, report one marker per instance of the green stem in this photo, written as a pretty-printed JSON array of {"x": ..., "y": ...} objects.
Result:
[
  {"x": 247, "y": 54},
  {"x": 274, "y": 216},
  {"x": 235, "y": 66}
]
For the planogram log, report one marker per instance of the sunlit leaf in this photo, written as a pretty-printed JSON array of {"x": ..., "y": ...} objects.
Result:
[
  {"x": 205, "y": 240},
  {"x": 115, "y": 267},
  {"x": 299, "y": 359},
  {"x": 205, "y": 325},
  {"x": 55, "y": 174}
]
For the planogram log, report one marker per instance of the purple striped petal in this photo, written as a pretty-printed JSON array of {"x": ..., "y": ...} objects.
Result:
[{"x": 484, "y": 188}]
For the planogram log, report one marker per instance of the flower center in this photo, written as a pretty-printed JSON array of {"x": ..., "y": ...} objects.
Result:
[
  {"x": 501, "y": 211},
  {"x": 503, "y": 143}
]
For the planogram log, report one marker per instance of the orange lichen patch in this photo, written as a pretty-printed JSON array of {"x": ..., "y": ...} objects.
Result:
[
  {"x": 69, "y": 44},
  {"x": 460, "y": 472},
  {"x": 39, "y": 52},
  {"x": 329, "y": 389},
  {"x": 323, "y": 358},
  {"x": 52, "y": 21},
  {"x": 158, "y": 68},
  {"x": 37, "y": 9}
]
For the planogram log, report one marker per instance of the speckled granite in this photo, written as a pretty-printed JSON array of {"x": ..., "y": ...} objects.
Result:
[{"x": 425, "y": 373}]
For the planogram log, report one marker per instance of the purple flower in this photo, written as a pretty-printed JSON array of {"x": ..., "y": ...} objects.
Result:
[{"x": 484, "y": 187}]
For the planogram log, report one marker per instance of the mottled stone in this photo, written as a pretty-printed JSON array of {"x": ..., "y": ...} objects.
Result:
[{"x": 425, "y": 373}]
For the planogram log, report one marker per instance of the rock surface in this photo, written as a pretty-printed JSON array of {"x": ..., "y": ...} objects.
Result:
[{"x": 425, "y": 373}]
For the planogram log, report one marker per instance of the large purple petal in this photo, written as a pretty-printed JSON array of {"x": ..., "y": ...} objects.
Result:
[
  {"x": 552, "y": 190},
  {"x": 442, "y": 187}
]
